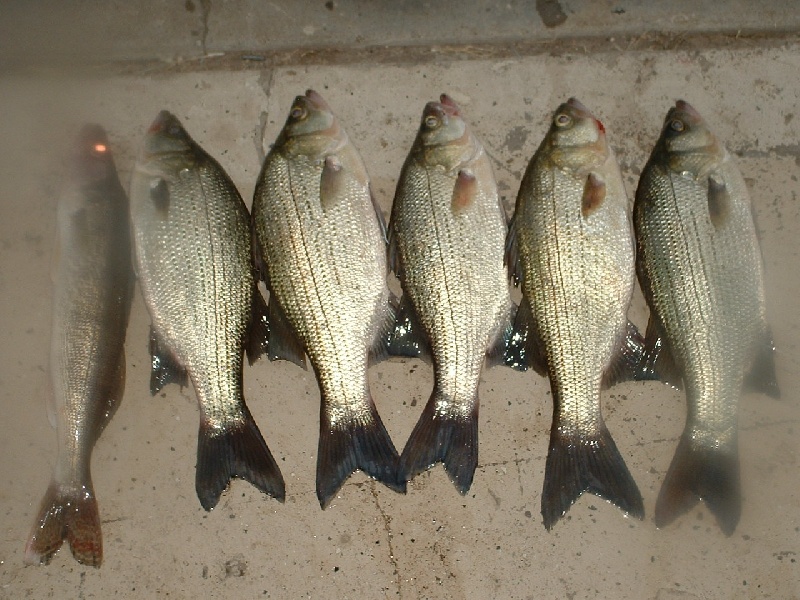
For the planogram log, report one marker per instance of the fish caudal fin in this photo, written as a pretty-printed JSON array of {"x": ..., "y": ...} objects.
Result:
[
  {"x": 71, "y": 516},
  {"x": 349, "y": 446},
  {"x": 701, "y": 473},
  {"x": 446, "y": 437},
  {"x": 238, "y": 451},
  {"x": 578, "y": 463}
]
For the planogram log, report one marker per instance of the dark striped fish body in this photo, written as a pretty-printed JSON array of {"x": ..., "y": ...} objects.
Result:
[
  {"x": 323, "y": 250},
  {"x": 571, "y": 245},
  {"x": 193, "y": 258},
  {"x": 700, "y": 267},
  {"x": 93, "y": 286},
  {"x": 447, "y": 235}
]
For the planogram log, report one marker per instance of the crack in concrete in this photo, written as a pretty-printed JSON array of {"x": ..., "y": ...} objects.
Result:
[
  {"x": 205, "y": 7},
  {"x": 387, "y": 525},
  {"x": 265, "y": 81}
]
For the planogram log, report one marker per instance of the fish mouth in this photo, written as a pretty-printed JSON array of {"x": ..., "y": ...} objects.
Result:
[
  {"x": 161, "y": 122},
  {"x": 317, "y": 101},
  {"x": 687, "y": 112},
  {"x": 584, "y": 113},
  {"x": 449, "y": 105}
]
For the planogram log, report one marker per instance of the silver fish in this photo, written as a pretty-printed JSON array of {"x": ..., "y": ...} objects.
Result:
[
  {"x": 93, "y": 287},
  {"x": 193, "y": 258},
  {"x": 322, "y": 244},
  {"x": 700, "y": 268},
  {"x": 571, "y": 246},
  {"x": 447, "y": 235}
]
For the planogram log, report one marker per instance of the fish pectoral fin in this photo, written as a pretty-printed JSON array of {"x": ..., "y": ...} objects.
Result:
[
  {"x": 333, "y": 182},
  {"x": 408, "y": 336},
  {"x": 524, "y": 349},
  {"x": 719, "y": 201},
  {"x": 578, "y": 463},
  {"x": 159, "y": 195},
  {"x": 658, "y": 362},
  {"x": 71, "y": 516},
  {"x": 511, "y": 256},
  {"x": 352, "y": 444},
  {"x": 257, "y": 338},
  {"x": 626, "y": 362},
  {"x": 283, "y": 343},
  {"x": 443, "y": 436},
  {"x": 710, "y": 474},
  {"x": 594, "y": 192},
  {"x": 238, "y": 451},
  {"x": 464, "y": 192},
  {"x": 761, "y": 377},
  {"x": 165, "y": 368}
]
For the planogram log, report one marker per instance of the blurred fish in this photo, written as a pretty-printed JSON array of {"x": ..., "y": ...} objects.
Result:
[
  {"x": 571, "y": 246},
  {"x": 700, "y": 268},
  {"x": 93, "y": 287},
  {"x": 447, "y": 236},
  {"x": 323, "y": 245},
  {"x": 193, "y": 258}
]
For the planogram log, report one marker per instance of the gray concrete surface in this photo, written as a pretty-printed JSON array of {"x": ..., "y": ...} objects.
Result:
[{"x": 371, "y": 542}]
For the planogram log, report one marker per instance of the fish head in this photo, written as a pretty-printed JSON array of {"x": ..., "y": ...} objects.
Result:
[
  {"x": 167, "y": 146},
  {"x": 576, "y": 139},
  {"x": 444, "y": 138},
  {"x": 689, "y": 145},
  {"x": 311, "y": 128}
]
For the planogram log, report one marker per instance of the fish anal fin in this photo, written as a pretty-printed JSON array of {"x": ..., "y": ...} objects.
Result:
[
  {"x": 496, "y": 353},
  {"x": 658, "y": 362},
  {"x": 464, "y": 191},
  {"x": 762, "y": 377},
  {"x": 159, "y": 195},
  {"x": 333, "y": 184},
  {"x": 67, "y": 515},
  {"x": 511, "y": 257},
  {"x": 719, "y": 202},
  {"x": 379, "y": 350},
  {"x": 408, "y": 337},
  {"x": 578, "y": 463},
  {"x": 594, "y": 192},
  {"x": 257, "y": 340},
  {"x": 626, "y": 363},
  {"x": 378, "y": 214},
  {"x": 354, "y": 444},
  {"x": 447, "y": 437},
  {"x": 237, "y": 451},
  {"x": 165, "y": 368},
  {"x": 710, "y": 474},
  {"x": 524, "y": 349},
  {"x": 283, "y": 342}
]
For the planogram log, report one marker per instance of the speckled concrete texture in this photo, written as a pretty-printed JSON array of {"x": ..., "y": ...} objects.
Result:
[{"x": 371, "y": 542}]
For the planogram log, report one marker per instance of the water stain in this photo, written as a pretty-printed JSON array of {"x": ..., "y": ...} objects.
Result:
[
  {"x": 551, "y": 13},
  {"x": 516, "y": 138}
]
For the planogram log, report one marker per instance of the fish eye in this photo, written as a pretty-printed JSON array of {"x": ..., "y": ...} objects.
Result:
[
  {"x": 431, "y": 121},
  {"x": 563, "y": 120},
  {"x": 677, "y": 125},
  {"x": 298, "y": 112},
  {"x": 99, "y": 149}
]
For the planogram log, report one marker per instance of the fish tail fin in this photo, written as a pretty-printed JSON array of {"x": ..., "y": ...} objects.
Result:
[
  {"x": 355, "y": 444},
  {"x": 707, "y": 473},
  {"x": 576, "y": 464},
  {"x": 239, "y": 451},
  {"x": 447, "y": 437},
  {"x": 67, "y": 515}
]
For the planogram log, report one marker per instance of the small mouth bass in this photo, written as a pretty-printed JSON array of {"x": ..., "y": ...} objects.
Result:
[
  {"x": 700, "y": 267},
  {"x": 447, "y": 236},
  {"x": 193, "y": 258},
  {"x": 93, "y": 288},
  {"x": 571, "y": 247},
  {"x": 322, "y": 244}
]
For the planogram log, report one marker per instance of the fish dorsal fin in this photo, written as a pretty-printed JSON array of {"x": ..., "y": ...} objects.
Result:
[
  {"x": 761, "y": 377},
  {"x": 626, "y": 362},
  {"x": 257, "y": 340},
  {"x": 524, "y": 349},
  {"x": 332, "y": 184},
  {"x": 464, "y": 191},
  {"x": 511, "y": 257},
  {"x": 283, "y": 343},
  {"x": 658, "y": 362},
  {"x": 159, "y": 194},
  {"x": 719, "y": 201},
  {"x": 408, "y": 337},
  {"x": 594, "y": 192},
  {"x": 165, "y": 368}
]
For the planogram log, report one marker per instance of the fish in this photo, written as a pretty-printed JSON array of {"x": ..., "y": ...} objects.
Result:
[
  {"x": 93, "y": 287},
  {"x": 321, "y": 248},
  {"x": 193, "y": 258},
  {"x": 700, "y": 267},
  {"x": 571, "y": 249},
  {"x": 447, "y": 237}
]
